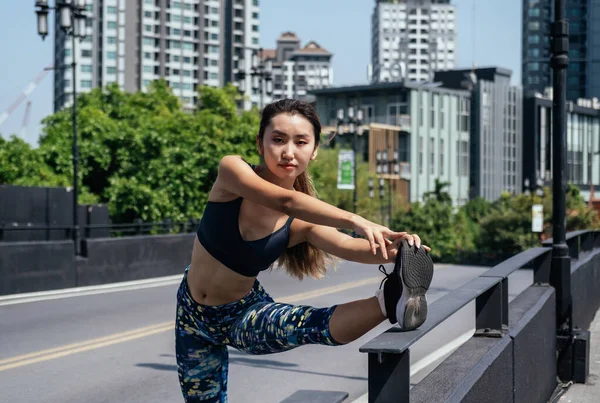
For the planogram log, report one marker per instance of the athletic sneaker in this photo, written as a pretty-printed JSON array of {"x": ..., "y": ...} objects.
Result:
[{"x": 405, "y": 287}]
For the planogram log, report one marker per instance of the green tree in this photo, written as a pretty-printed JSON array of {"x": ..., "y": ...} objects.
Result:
[
  {"x": 324, "y": 172},
  {"x": 143, "y": 155},
  {"x": 438, "y": 226},
  {"x": 439, "y": 193},
  {"x": 22, "y": 165}
]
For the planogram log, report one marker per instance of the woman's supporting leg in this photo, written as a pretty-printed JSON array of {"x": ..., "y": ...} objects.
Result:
[
  {"x": 202, "y": 368},
  {"x": 270, "y": 327}
]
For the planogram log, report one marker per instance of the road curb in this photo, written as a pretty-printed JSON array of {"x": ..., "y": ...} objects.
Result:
[{"x": 89, "y": 290}]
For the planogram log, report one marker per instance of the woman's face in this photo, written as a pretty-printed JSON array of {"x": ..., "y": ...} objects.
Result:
[{"x": 288, "y": 145}]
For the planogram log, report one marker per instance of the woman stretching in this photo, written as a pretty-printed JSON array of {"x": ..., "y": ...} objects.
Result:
[{"x": 258, "y": 215}]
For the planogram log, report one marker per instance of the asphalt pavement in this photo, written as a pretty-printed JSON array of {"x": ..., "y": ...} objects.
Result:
[{"x": 119, "y": 346}]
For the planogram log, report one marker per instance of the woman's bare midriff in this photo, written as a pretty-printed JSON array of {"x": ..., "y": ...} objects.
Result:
[{"x": 211, "y": 283}]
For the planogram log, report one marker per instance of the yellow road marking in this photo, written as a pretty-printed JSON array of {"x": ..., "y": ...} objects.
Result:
[
  {"x": 83, "y": 343},
  {"x": 70, "y": 349},
  {"x": 86, "y": 348}
]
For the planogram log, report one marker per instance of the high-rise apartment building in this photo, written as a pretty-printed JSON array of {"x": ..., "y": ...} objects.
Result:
[
  {"x": 496, "y": 129},
  {"x": 131, "y": 43},
  {"x": 411, "y": 39},
  {"x": 582, "y": 165},
  {"x": 583, "y": 75},
  {"x": 297, "y": 69}
]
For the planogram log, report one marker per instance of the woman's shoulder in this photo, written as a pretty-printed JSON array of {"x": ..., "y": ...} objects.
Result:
[{"x": 234, "y": 160}]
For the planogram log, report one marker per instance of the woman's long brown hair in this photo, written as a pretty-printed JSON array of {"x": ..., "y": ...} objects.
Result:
[{"x": 302, "y": 259}]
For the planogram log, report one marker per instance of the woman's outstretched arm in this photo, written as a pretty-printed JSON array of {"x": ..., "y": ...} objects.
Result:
[
  {"x": 238, "y": 178},
  {"x": 356, "y": 249}
]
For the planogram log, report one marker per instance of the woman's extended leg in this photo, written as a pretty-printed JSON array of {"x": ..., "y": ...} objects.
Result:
[
  {"x": 270, "y": 327},
  {"x": 353, "y": 319}
]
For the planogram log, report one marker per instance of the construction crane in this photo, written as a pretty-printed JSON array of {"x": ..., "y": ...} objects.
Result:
[
  {"x": 26, "y": 92},
  {"x": 25, "y": 120}
]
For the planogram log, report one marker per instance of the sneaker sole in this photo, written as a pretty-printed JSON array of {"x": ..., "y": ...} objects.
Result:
[{"x": 416, "y": 273}]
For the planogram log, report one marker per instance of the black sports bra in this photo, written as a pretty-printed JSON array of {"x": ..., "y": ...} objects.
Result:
[{"x": 219, "y": 233}]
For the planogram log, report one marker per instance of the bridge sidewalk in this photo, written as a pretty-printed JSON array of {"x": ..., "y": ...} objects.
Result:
[{"x": 590, "y": 392}]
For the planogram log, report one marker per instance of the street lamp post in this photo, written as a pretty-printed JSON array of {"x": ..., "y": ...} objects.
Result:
[
  {"x": 355, "y": 129},
  {"x": 560, "y": 272},
  {"x": 73, "y": 23},
  {"x": 261, "y": 72}
]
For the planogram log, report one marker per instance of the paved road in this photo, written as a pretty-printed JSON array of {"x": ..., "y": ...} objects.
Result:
[{"x": 119, "y": 346}]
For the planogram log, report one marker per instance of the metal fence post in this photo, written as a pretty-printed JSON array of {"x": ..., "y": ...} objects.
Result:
[
  {"x": 389, "y": 377},
  {"x": 490, "y": 310},
  {"x": 541, "y": 269}
]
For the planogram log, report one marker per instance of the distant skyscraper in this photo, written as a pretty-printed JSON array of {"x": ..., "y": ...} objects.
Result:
[
  {"x": 412, "y": 39},
  {"x": 187, "y": 42},
  {"x": 297, "y": 69},
  {"x": 583, "y": 75}
]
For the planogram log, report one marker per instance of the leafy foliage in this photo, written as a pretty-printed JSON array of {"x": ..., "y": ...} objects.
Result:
[
  {"x": 324, "y": 174},
  {"x": 437, "y": 224},
  {"x": 146, "y": 158},
  {"x": 139, "y": 152}
]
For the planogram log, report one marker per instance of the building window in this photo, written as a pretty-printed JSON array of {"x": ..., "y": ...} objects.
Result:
[
  {"x": 86, "y": 53},
  {"x": 147, "y": 69},
  {"x": 86, "y": 68},
  {"x": 148, "y": 41},
  {"x": 86, "y": 83},
  {"x": 111, "y": 55},
  {"x": 462, "y": 158},
  {"x": 111, "y": 70},
  {"x": 463, "y": 115},
  {"x": 431, "y": 156},
  {"x": 421, "y": 116},
  {"x": 111, "y": 10},
  {"x": 534, "y": 39},
  {"x": 368, "y": 113},
  {"x": 67, "y": 52},
  {"x": 433, "y": 98},
  {"x": 255, "y": 16},
  {"x": 441, "y": 157},
  {"x": 420, "y": 155},
  {"x": 111, "y": 25},
  {"x": 255, "y": 41},
  {"x": 111, "y": 40},
  {"x": 255, "y": 2}
]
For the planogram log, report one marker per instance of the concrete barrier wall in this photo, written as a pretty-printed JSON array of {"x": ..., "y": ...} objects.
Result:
[
  {"x": 36, "y": 266},
  {"x": 585, "y": 280},
  {"x": 42, "y": 266},
  {"x": 518, "y": 367},
  {"x": 132, "y": 258}
]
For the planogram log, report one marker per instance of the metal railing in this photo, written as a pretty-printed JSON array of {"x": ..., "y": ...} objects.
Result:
[
  {"x": 389, "y": 353},
  {"x": 137, "y": 227}
]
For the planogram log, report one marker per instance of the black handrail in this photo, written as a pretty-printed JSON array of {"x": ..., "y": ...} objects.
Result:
[
  {"x": 137, "y": 227},
  {"x": 389, "y": 353}
]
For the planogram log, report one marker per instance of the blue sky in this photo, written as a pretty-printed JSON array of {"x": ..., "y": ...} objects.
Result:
[{"x": 341, "y": 26}]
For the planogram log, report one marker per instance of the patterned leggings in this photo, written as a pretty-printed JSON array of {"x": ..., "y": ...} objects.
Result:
[{"x": 254, "y": 324}]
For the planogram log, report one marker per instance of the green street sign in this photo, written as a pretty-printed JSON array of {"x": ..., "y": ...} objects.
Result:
[{"x": 346, "y": 170}]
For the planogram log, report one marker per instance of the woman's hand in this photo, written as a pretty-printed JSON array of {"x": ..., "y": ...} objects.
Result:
[
  {"x": 394, "y": 246},
  {"x": 377, "y": 235}
]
